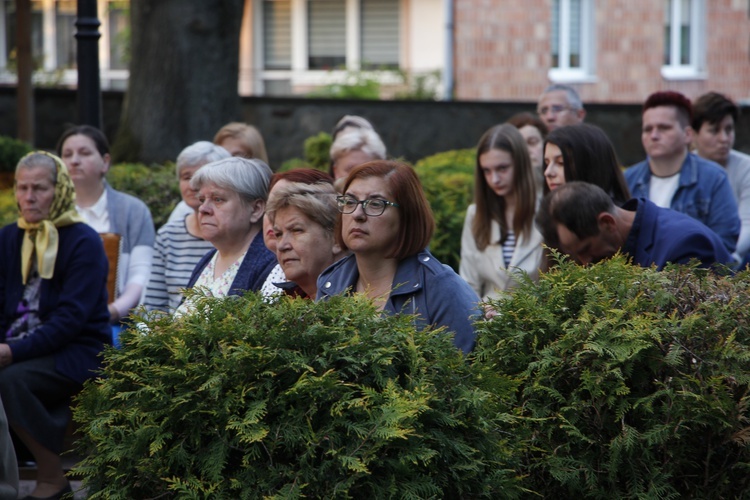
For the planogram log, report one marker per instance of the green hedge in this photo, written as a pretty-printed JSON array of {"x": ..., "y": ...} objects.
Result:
[
  {"x": 633, "y": 383},
  {"x": 156, "y": 185},
  {"x": 246, "y": 399},
  {"x": 11, "y": 150},
  {"x": 448, "y": 181},
  {"x": 609, "y": 381},
  {"x": 316, "y": 150}
]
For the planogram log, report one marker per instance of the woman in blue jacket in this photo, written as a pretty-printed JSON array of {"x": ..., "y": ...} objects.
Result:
[
  {"x": 53, "y": 313},
  {"x": 386, "y": 223}
]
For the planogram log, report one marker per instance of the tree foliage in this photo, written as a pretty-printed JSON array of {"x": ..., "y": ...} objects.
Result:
[
  {"x": 245, "y": 399},
  {"x": 633, "y": 383}
]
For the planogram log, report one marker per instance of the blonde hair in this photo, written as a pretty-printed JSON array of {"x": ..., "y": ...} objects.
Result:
[{"x": 249, "y": 135}]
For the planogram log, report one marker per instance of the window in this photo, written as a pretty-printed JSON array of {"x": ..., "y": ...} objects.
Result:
[
  {"x": 65, "y": 18},
  {"x": 277, "y": 34},
  {"x": 683, "y": 39},
  {"x": 118, "y": 21},
  {"x": 326, "y": 29},
  {"x": 329, "y": 34},
  {"x": 37, "y": 48},
  {"x": 572, "y": 40},
  {"x": 380, "y": 33}
]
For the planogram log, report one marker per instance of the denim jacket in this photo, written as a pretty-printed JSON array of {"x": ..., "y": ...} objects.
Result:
[
  {"x": 422, "y": 286},
  {"x": 703, "y": 193}
]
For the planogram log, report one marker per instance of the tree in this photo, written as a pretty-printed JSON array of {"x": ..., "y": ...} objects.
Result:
[{"x": 184, "y": 70}]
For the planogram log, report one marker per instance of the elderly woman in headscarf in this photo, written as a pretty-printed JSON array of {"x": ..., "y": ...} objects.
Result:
[{"x": 54, "y": 320}]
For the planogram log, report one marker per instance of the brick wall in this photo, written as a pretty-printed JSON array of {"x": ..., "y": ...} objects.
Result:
[{"x": 502, "y": 50}]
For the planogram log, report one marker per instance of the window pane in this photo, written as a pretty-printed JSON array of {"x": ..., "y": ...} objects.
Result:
[
  {"x": 277, "y": 34},
  {"x": 327, "y": 33},
  {"x": 65, "y": 18},
  {"x": 576, "y": 25},
  {"x": 118, "y": 17},
  {"x": 380, "y": 33},
  {"x": 685, "y": 16},
  {"x": 37, "y": 47},
  {"x": 555, "y": 40}
]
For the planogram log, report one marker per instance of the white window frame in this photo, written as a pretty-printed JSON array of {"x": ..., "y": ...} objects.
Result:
[
  {"x": 585, "y": 73},
  {"x": 695, "y": 68},
  {"x": 66, "y": 77},
  {"x": 300, "y": 75}
]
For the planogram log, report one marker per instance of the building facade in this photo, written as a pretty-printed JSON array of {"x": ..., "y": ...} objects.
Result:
[
  {"x": 616, "y": 51},
  {"x": 612, "y": 51}
]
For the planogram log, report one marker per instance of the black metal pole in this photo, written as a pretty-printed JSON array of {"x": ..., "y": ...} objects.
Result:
[{"x": 89, "y": 88}]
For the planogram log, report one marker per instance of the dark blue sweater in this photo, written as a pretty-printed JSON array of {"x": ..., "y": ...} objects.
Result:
[{"x": 72, "y": 304}]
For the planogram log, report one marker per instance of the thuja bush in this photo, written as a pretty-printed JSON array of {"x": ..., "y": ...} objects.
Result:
[
  {"x": 316, "y": 148},
  {"x": 448, "y": 180},
  {"x": 245, "y": 399},
  {"x": 155, "y": 185},
  {"x": 634, "y": 383}
]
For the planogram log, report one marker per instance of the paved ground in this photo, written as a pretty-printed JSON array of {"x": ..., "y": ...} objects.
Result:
[{"x": 27, "y": 475}]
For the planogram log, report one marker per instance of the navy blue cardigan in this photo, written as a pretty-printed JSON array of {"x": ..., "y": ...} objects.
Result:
[
  {"x": 72, "y": 304},
  {"x": 255, "y": 267}
]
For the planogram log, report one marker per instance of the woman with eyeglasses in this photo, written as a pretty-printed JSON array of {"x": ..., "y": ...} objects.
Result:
[{"x": 386, "y": 223}]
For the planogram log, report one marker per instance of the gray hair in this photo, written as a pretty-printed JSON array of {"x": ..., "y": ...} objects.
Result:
[
  {"x": 249, "y": 178},
  {"x": 198, "y": 154},
  {"x": 317, "y": 201},
  {"x": 574, "y": 100},
  {"x": 357, "y": 139},
  {"x": 39, "y": 160}
]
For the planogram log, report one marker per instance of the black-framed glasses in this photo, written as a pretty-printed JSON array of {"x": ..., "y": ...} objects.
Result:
[{"x": 372, "y": 207}]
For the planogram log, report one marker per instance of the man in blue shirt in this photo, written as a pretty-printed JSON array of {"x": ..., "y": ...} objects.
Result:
[
  {"x": 581, "y": 220},
  {"x": 672, "y": 177}
]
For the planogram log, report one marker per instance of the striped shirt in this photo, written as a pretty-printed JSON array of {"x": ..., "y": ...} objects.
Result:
[
  {"x": 176, "y": 252},
  {"x": 509, "y": 246}
]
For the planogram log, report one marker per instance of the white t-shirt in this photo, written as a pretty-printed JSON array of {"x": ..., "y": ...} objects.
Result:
[{"x": 662, "y": 189}]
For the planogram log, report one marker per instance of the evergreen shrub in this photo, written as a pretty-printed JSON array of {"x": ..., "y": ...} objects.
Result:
[
  {"x": 317, "y": 149},
  {"x": 448, "y": 181},
  {"x": 633, "y": 383},
  {"x": 155, "y": 185},
  {"x": 245, "y": 399},
  {"x": 8, "y": 207},
  {"x": 11, "y": 150}
]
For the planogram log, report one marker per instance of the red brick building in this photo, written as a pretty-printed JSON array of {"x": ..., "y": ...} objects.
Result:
[{"x": 615, "y": 51}]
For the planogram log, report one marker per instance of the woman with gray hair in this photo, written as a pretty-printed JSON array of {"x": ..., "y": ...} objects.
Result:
[
  {"x": 354, "y": 142},
  {"x": 179, "y": 243},
  {"x": 232, "y": 195},
  {"x": 303, "y": 217}
]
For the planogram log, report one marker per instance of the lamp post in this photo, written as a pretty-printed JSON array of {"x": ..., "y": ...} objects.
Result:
[{"x": 89, "y": 89}]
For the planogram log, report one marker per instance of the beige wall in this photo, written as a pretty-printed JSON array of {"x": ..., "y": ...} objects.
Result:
[{"x": 423, "y": 26}]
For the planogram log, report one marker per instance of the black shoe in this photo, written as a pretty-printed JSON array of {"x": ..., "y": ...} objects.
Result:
[{"x": 57, "y": 496}]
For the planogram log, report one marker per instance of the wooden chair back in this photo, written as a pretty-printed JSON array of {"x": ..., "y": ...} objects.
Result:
[{"x": 112, "y": 249}]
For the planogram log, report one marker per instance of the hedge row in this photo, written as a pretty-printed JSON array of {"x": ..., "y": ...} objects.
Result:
[{"x": 609, "y": 381}]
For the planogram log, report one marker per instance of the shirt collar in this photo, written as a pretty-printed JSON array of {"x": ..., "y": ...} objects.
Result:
[{"x": 99, "y": 208}]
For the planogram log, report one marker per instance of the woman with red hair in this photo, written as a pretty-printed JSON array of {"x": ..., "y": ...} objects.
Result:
[{"x": 386, "y": 223}]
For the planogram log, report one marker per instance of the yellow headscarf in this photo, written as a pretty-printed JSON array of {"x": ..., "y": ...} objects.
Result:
[{"x": 41, "y": 238}]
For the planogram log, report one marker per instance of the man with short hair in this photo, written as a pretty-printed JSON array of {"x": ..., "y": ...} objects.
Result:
[
  {"x": 582, "y": 221},
  {"x": 560, "y": 105},
  {"x": 672, "y": 177},
  {"x": 714, "y": 118}
]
